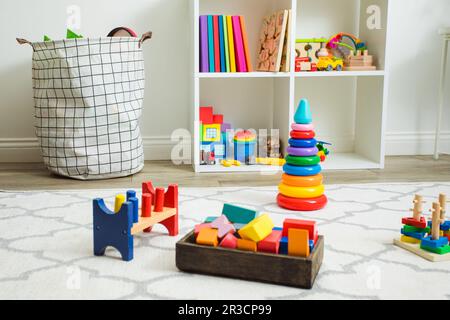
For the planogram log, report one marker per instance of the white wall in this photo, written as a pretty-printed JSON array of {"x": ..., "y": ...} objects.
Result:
[{"x": 414, "y": 58}]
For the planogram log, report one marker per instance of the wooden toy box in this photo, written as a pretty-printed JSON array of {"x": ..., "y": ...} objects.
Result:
[{"x": 255, "y": 266}]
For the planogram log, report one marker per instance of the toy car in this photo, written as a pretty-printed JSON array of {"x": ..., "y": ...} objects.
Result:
[
  {"x": 304, "y": 64},
  {"x": 330, "y": 63}
]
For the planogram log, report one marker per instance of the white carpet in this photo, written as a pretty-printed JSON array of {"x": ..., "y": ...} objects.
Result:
[{"x": 46, "y": 248}]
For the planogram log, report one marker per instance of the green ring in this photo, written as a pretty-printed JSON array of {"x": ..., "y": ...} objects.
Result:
[{"x": 302, "y": 161}]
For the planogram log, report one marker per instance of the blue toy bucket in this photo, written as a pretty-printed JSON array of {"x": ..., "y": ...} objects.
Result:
[{"x": 244, "y": 150}]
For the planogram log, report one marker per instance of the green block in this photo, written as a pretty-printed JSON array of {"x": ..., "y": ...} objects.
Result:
[
  {"x": 46, "y": 38},
  {"x": 407, "y": 228},
  {"x": 73, "y": 35},
  {"x": 440, "y": 250},
  {"x": 210, "y": 219},
  {"x": 237, "y": 214}
]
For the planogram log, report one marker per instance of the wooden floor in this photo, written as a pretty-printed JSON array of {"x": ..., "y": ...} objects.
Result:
[{"x": 34, "y": 176}]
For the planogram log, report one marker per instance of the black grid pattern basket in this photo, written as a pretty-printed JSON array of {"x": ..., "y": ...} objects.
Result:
[{"x": 88, "y": 97}]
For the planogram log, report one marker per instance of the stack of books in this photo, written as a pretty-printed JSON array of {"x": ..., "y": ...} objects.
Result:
[{"x": 224, "y": 44}]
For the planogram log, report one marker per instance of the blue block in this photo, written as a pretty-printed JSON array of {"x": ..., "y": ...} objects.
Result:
[
  {"x": 444, "y": 227},
  {"x": 429, "y": 242},
  {"x": 311, "y": 245},
  {"x": 135, "y": 202},
  {"x": 302, "y": 170},
  {"x": 302, "y": 143},
  {"x": 113, "y": 229},
  {"x": 277, "y": 229},
  {"x": 131, "y": 194},
  {"x": 283, "y": 246},
  {"x": 415, "y": 235},
  {"x": 210, "y": 219}
]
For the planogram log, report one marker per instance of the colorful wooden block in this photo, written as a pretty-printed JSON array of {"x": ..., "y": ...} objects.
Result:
[
  {"x": 298, "y": 242},
  {"x": 430, "y": 243},
  {"x": 271, "y": 243},
  {"x": 311, "y": 245},
  {"x": 120, "y": 199},
  {"x": 208, "y": 237},
  {"x": 444, "y": 227},
  {"x": 407, "y": 228},
  {"x": 210, "y": 219},
  {"x": 416, "y": 235},
  {"x": 237, "y": 214},
  {"x": 283, "y": 246},
  {"x": 218, "y": 118},
  {"x": 211, "y": 133},
  {"x": 257, "y": 229},
  {"x": 311, "y": 226},
  {"x": 422, "y": 223},
  {"x": 407, "y": 239},
  {"x": 246, "y": 245},
  {"x": 229, "y": 241},
  {"x": 239, "y": 226},
  {"x": 206, "y": 115},
  {"x": 223, "y": 225},
  {"x": 201, "y": 226},
  {"x": 440, "y": 250}
]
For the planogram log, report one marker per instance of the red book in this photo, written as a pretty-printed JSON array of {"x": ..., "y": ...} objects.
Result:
[{"x": 216, "y": 43}]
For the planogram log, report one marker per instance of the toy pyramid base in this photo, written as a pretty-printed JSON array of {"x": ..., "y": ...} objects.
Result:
[
  {"x": 299, "y": 204},
  {"x": 415, "y": 248}
]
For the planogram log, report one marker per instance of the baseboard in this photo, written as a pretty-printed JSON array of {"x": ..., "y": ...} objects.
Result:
[
  {"x": 415, "y": 143},
  {"x": 160, "y": 147}
]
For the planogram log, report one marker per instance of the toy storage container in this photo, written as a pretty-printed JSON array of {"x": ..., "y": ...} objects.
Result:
[
  {"x": 244, "y": 146},
  {"x": 88, "y": 96}
]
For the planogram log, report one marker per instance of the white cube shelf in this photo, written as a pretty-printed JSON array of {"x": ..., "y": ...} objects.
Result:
[{"x": 348, "y": 106}]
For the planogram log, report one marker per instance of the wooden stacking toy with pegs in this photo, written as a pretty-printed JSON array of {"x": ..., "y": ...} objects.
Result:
[
  {"x": 117, "y": 228},
  {"x": 242, "y": 244},
  {"x": 429, "y": 240},
  {"x": 302, "y": 186}
]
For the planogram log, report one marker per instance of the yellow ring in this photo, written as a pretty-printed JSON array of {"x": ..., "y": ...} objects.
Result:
[{"x": 301, "y": 192}]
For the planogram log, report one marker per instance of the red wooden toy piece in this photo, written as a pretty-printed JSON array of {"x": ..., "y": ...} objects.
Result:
[
  {"x": 229, "y": 241},
  {"x": 422, "y": 223},
  {"x": 159, "y": 201},
  {"x": 271, "y": 243},
  {"x": 311, "y": 226}
]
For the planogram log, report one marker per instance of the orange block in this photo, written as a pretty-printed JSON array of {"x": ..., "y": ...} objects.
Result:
[
  {"x": 208, "y": 237},
  {"x": 298, "y": 243},
  {"x": 246, "y": 245}
]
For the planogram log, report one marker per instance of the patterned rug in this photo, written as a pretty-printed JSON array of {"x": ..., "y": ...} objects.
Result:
[{"x": 46, "y": 248}]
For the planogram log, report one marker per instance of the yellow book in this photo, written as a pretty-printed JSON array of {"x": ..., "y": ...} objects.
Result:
[{"x": 231, "y": 44}]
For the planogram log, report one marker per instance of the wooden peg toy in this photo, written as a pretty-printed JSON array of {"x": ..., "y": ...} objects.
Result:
[
  {"x": 443, "y": 204},
  {"x": 418, "y": 209},
  {"x": 436, "y": 221}
]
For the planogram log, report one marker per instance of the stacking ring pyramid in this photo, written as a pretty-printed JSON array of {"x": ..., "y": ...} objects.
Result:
[{"x": 301, "y": 188}]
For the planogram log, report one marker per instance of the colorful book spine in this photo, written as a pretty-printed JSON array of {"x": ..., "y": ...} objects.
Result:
[
  {"x": 211, "y": 44},
  {"x": 204, "y": 54},
  {"x": 231, "y": 44},
  {"x": 216, "y": 43},
  {"x": 225, "y": 40},
  {"x": 223, "y": 65},
  {"x": 241, "y": 64},
  {"x": 245, "y": 42}
]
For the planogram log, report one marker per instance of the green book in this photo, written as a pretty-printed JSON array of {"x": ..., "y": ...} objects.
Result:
[{"x": 225, "y": 37}]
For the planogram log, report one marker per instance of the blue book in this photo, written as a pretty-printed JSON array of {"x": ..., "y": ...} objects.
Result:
[
  {"x": 211, "y": 44},
  {"x": 223, "y": 63}
]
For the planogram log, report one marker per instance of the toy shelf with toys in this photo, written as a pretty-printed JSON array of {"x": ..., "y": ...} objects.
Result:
[{"x": 348, "y": 101}]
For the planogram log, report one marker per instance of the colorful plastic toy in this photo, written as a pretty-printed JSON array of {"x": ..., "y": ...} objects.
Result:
[
  {"x": 427, "y": 240},
  {"x": 117, "y": 229},
  {"x": 302, "y": 187},
  {"x": 330, "y": 64}
]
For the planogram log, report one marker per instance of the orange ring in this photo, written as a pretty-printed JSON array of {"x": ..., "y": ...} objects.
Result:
[{"x": 302, "y": 181}]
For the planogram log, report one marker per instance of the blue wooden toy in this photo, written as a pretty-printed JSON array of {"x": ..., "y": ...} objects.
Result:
[{"x": 283, "y": 246}]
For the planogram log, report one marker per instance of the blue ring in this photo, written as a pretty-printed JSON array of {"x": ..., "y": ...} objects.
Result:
[
  {"x": 302, "y": 143},
  {"x": 302, "y": 171}
]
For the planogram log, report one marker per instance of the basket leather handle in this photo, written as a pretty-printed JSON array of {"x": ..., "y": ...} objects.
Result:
[
  {"x": 23, "y": 41},
  {"x": 145, "y": 36}
]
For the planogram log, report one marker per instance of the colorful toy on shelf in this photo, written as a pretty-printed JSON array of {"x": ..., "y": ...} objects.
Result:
[
  {"x": 429, "y": 240},
  {"x": 296, "y": 248},
  {"x": 307, "y": 53},
  {"x": 356, "y": 55},
  {"x": 117, "y": 229},
  {"x": 330, "y": 64},
  {"x": 323, "y": 151},
  {"x": 302, "y": 186},
  {"x": 245, "y": 146},
  {"x": 212, "y": 136},
  {"x": 271, "y": 161}
]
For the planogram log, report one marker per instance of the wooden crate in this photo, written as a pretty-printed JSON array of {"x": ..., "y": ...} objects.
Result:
[{"x": 255, "y": 266}]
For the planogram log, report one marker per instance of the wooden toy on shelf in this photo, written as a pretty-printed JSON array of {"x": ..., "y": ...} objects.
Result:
[
  {"x": 362, "y": 61},
  {"x": 252, "y": 252},
  {"x": 428, "y": 240},
  {"x": 117, "y": 229}
]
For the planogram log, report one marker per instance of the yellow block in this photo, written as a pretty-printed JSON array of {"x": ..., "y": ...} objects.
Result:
[
  {"x": 246, "y": 245},
  {"x": 208, "y": 237},
  {"x": 298, "y": 243},
  {"x": 407, "y": 239},
  {"x": 257, "y": 229},
  {"x": 120, "y": 199}
]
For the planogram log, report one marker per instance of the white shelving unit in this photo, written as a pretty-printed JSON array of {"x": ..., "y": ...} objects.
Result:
[{"x": 348, "y": 106}]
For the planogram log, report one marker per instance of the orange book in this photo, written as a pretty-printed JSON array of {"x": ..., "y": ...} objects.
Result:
[{"x": 245, "y": 41}]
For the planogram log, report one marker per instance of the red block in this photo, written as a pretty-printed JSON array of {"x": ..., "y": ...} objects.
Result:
[
  {"x": 229, "y": 241},
  {"x": 206, "y": 115},
  {"x": 414, "y": 223},
  {"x": 271, "y": 243},
  {"x": 301, "y": 224},
  {"x": 159, "y": 199},
  {"x": 218, "y": 118}
]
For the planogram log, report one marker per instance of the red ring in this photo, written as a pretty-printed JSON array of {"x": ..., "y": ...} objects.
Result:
[
  {"x": 311, "y": 204},
  {"x": 302, "y": 134}
]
